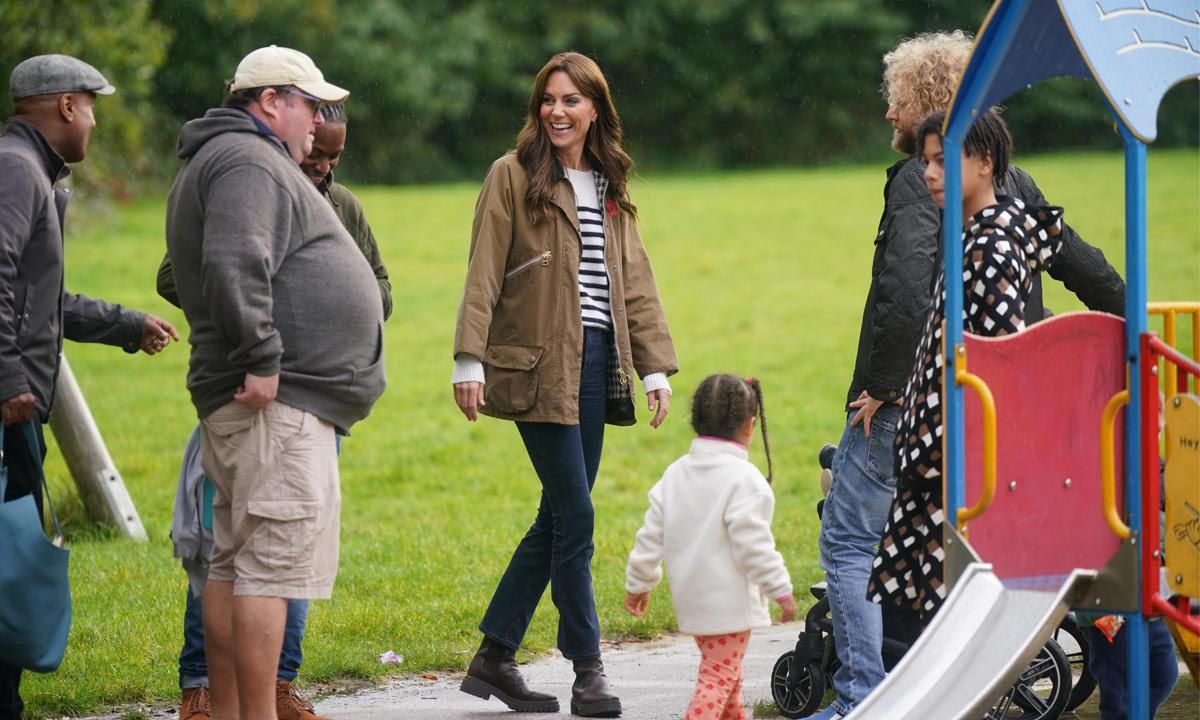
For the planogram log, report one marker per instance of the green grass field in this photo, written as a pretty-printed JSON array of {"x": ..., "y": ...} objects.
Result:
[{"x": 761, "y": 273}]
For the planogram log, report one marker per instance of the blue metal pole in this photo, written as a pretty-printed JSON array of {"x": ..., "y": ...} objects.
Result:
[
  {"x": 967, "y": 107},
  {"x": 1135, "y": 324},
  {"x": 952, "y": 396}
]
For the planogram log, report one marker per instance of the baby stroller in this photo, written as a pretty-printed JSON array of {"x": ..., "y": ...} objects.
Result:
[{"x": 1056, "y": 681}]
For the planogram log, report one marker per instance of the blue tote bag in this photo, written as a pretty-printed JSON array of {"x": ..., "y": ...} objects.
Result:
[{"x": 35, "y": 592}]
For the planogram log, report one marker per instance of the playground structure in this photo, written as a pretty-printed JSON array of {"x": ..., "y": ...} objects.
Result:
[{"x": 1045, "y": 512}]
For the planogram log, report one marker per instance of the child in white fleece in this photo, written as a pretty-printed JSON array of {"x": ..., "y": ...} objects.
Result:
[{"x": 710, "y": 520}]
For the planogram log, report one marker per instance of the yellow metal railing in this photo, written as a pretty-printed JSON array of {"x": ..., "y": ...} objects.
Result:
[
  {"x": 987, "y": 405},
  {"x": 1170, "y": 312},
  {"x": 1108, "y": 479}
]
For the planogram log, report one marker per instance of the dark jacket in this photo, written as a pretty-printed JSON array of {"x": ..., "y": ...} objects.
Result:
[
  {"x": 907, "y": 255},
  {"x": 35, "y": 310},
  {"x": 268, "y": 278},
  {"x": 349, "y": 211}
]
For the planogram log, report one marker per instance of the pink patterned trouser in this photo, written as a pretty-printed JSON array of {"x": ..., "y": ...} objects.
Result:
[{"x": 718, "y": 693}]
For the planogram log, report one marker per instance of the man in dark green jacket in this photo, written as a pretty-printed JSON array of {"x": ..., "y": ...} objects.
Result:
[{"x": 328, "y": 146}]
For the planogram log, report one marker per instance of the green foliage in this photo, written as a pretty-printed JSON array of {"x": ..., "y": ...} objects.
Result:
[
  {"x": 440, "y": 89},
  {"x": 122, "y": 41},
  {"x": 761, "y": 273}
]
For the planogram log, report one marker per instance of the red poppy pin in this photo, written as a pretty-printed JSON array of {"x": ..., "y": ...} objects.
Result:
[{"x": 612, "y": 208}]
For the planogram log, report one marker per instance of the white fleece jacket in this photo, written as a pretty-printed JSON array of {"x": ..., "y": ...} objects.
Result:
[{"x": 710, "y": 520}]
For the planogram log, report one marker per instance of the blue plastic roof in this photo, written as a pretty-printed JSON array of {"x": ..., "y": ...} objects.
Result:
[{"x": 1136, "y": 50}]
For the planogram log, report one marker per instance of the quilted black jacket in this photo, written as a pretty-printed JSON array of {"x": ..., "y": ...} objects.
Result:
[{"x": 907, "y": 253}]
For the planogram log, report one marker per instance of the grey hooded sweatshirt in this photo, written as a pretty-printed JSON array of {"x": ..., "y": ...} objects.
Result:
[{"x": 269, "y": 280}]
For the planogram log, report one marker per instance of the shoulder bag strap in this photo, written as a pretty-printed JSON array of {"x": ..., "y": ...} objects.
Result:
[{"x": 35, "y": 450}]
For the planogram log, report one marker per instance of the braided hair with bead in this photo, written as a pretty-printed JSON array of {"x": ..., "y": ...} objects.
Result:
[{"x": 721, "y": 405}]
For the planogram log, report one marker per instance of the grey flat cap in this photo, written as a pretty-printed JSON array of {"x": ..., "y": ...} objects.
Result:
[{"x": 49, "y": 74}]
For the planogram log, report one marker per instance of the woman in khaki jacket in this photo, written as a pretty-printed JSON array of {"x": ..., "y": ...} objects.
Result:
[{"x": 559, "y": 311}]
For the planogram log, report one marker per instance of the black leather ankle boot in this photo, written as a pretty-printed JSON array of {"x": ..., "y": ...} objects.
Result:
[
  {"x": 493, "y": 671},
  {"x": 590, "y": 695}
]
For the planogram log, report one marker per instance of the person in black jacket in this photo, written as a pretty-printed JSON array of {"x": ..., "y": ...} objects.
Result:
[
  {"x": 54, "y": 98},
  {"x": 920, "y": 76}
]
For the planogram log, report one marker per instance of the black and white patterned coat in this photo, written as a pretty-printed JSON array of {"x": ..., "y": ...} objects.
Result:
[{"x": 1004, "y": 247}]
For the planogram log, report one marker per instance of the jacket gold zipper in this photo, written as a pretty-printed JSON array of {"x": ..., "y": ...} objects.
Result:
[{"x": 544, "y": 259}]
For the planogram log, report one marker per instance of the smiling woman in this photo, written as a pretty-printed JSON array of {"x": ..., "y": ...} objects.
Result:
[{"x": 560, "y": 308}]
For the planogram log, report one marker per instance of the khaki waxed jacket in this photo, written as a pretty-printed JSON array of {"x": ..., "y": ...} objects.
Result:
[{"x": 520, "y": 308}]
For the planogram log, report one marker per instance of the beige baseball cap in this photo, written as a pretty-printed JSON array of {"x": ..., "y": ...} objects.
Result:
[{"x": 273, "y": 65}]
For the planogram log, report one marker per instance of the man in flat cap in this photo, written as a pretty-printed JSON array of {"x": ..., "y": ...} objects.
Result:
[
  {"x": 287, "y": 350},
  {"x": 53, "y": 98}
]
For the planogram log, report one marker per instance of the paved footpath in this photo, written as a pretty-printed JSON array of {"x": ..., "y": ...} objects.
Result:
[{"x": 654, "y": 681}]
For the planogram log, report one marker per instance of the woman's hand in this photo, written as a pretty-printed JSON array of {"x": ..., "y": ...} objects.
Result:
[
  {"x": 636, "y": 603},
  {"x": 659, "y": 403},
  {"x": 469, "y": 398}
]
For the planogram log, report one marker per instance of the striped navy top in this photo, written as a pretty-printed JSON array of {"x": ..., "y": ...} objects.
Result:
[{"x": 593, "y": 277}]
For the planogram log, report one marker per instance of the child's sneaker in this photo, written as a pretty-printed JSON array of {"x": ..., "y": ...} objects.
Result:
[{"x": 828, "y": 713}]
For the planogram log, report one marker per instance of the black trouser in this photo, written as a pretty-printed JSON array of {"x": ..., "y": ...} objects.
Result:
[{"x": 23, "y": 479}]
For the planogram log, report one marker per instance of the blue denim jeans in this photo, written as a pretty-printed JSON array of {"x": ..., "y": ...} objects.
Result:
[
  {"x": 856, "y": 510},
  {"x": 193, "y": 665},
  {"x": 1108, "y": 664},
  {"x": 557, "y": 549}
]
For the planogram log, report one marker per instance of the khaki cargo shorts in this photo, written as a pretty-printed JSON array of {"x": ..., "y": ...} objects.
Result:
[{"x": 276, "y": 513}]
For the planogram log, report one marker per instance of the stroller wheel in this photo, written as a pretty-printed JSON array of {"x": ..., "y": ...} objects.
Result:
[
  {"x": 1041, "y": 691},
  {"x": 797, "y": 688},
  {"x": 1070, "y": 638}
]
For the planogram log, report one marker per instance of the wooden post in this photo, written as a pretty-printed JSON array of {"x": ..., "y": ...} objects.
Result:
[{"x": 100, "y": 486}]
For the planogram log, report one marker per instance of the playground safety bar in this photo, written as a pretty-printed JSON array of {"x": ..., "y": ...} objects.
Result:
[
  {"x": 1108, "y": 481},
  {"x": 1179, "y": 613},
  {"x": 1172, "y": 382},
  {"x": 987, "y": 405},
  {"x": 1152, "y": 348}
]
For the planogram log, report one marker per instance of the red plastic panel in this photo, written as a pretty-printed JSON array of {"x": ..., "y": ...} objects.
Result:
[{"x": 1051, "y": 383}]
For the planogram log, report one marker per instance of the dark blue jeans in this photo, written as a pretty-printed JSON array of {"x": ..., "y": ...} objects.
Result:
[
  {"x": 193, "y": 665},
  {"x": 557, "y": 549},
  {"x": 1108, "y": 665}
]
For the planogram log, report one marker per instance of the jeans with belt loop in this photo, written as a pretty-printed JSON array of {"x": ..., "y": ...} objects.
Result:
[
  {"x": 557, "y": 549},
  {"x": 853, "y": 519}
]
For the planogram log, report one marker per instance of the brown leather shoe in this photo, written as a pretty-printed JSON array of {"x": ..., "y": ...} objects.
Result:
[
  {"x": 195, "y": 705},
  {"x": 291, "y": 705}
]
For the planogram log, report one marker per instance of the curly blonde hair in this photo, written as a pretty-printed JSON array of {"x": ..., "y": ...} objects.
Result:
[{"x": 921, "y": 73}]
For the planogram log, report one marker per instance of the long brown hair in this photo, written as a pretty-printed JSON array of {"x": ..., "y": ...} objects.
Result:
[{"x": 602, "y": 149}]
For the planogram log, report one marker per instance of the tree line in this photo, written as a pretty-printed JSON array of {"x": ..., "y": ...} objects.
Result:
[{"x": 439, "y": 87}]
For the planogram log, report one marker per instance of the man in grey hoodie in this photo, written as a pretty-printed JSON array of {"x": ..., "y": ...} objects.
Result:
[{"x": 287, "y": 350}]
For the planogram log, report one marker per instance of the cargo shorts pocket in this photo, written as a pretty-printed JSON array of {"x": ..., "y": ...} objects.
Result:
[
  {"x": 286, "y": 534},
  {"x": 230, "y": 419},
  {"x": 511, "y": 377}
]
